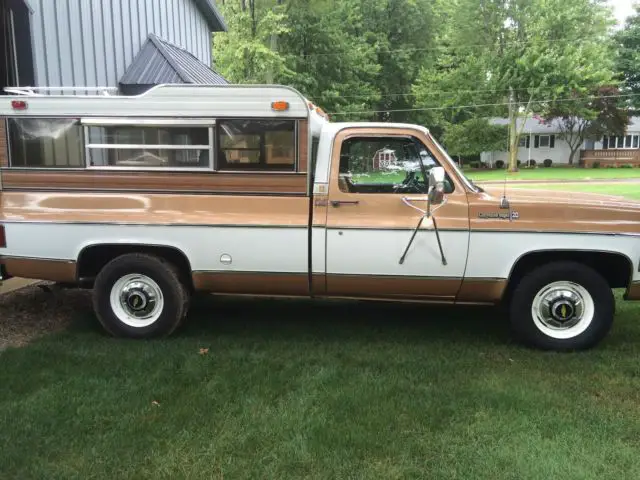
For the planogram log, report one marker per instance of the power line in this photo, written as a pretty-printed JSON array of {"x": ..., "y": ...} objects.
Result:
[
  {"x": 451, "y": 47},
  {"x": 435, "y": 92},
  {"x": 551, "y": 100}
]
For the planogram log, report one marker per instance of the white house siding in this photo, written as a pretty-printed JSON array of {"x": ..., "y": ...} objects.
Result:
[
  {"x": 92, "y": 42},
  {"x": 558, "y": 155}
]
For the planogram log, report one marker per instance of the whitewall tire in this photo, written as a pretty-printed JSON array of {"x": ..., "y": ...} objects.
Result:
[
  {"x": 140, "y": 296},
  {"x": 562, "y": 306}
]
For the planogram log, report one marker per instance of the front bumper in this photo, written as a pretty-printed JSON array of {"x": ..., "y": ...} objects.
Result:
[{"x": 633, "y": 292}]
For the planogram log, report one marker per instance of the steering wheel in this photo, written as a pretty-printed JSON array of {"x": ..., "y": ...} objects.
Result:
[{"x": 411, "y": 184}]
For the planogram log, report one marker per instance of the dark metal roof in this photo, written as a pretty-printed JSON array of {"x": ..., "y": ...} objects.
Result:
[
  {"x": 162, "y": 62},
  {"x": 211, "y": 13}
]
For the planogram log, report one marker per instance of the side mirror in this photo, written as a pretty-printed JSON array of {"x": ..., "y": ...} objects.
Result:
[{"x": 436, "y": 185}]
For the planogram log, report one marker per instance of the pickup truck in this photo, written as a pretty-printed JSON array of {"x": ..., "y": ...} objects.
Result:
[{"x": 253, "y": 191}]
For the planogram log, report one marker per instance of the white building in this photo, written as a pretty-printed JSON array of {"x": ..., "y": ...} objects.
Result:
[{"x": 541, "y": 141}]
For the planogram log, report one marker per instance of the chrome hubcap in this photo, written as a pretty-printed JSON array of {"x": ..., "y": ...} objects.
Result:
[
  {"x": 563, "y": 309},
  {"x": 137, "y": 300}
]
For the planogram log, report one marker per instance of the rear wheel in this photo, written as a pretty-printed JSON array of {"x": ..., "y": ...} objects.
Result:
[
  {"x": 562, "y": 306},
  {"x": 140, "y": 296}
]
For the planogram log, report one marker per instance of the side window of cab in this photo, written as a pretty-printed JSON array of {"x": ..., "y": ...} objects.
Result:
[{"x": 393, "y": 165}]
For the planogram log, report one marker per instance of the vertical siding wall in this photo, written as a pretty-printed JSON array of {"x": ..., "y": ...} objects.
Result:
[{"x": 93, "y": 42}]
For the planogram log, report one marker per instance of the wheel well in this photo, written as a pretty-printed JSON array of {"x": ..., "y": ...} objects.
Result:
[
  {"x": 614, "y": 267},
  {"x": 92, "y": 259}
]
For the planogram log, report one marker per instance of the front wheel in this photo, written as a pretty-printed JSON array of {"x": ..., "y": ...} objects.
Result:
[
  {"x": 562, "y": 306},
  {"x": 139, "y": 296}
]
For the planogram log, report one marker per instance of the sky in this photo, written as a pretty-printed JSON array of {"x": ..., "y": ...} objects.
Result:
[{"x": 622, "y": 9}]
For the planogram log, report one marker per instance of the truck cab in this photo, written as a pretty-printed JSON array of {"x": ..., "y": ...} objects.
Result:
[{"x": 252, "y": 190}]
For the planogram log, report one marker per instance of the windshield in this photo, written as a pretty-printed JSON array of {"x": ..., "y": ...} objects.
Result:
[{"x": 469, "y": 183}]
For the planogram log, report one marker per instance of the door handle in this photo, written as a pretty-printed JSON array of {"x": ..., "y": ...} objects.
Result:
[{"x": 337, "y": 203}]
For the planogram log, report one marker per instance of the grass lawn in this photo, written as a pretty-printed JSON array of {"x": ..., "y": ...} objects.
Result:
[
  {"x": 337, "y": 390},
  {"x": 555, "y": 173},
  {"x": 524, "y": 174},
  {"x": 631, "y": 191}
]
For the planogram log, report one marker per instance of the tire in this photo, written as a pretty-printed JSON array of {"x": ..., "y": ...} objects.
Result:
[
  {"x": 151, "y": 282},
  {"x": 552, "y": 327}
]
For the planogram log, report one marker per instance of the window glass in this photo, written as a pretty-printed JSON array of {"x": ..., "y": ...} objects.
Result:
[
  {"x": 522, "y": 142},
  {"x": 627, "y": 141},
  {"x": 149, "y": 147},
  {"x": 132, "y": 135},
  {"x": 635, "y": 141},
  {"x": 385, "y": 165},
  {"x": 45, "y": 143},
  {"x": 257, "y": 145},
  {"x": 545, "y": 141}
]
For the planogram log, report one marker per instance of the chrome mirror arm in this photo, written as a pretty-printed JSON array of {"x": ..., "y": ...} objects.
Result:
[{"x": 428, "y": 213}]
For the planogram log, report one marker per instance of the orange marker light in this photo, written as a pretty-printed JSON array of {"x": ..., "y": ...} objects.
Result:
[{"x": 280, "y": 106}]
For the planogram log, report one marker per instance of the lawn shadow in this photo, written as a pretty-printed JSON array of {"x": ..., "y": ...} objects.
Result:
[{"x": 342, "y": 320}]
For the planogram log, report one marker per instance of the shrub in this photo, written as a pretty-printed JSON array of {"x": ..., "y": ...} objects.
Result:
[
  {"x": 474, "y": 164},
  {"x": 626, "y": 165},
  {"x": 547, "y": 162},
  {"x": 595, "y": 165},
  {"x": 532, "y": 162},
  {"x": 500, "y": 164},
  {"x": 519, "y": 163}
]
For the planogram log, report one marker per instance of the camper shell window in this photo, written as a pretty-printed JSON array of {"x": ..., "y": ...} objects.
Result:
[
  {"x": 45, "y": 143},
  {"x": 257, "y": 145},
  {"x": 147, "y": 144}
]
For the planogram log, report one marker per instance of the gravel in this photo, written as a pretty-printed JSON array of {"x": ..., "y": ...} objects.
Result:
[{"x": 31, "y": 312}]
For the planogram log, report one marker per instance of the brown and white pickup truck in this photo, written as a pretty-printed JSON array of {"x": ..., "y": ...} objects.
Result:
[{"x": 251, "y": 190}]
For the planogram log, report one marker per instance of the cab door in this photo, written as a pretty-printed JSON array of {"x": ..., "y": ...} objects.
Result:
[{"x": 370, "y": 219}]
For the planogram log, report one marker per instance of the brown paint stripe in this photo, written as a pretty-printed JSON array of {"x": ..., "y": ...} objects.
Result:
[
  {"x": 481, "y": 290},
  {"x": 290, "y": 284},
  {"x": 368, "y": 286},
  {"x": 205, "y": 182},
  {"x": 38, "y": 269},
  {"x": 633, "y": 292},
  {"x": 303, "y": 145}
]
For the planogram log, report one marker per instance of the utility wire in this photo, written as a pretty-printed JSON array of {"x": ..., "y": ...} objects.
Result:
[
  {"x": 448, "y": 48},
  {"x": 551, "y": 100},
  {"x": 436, "y": 92}
]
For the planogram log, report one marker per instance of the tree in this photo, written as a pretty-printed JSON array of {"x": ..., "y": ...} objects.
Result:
[
  {"x": 588, "y": 118},
  {"x": 520, "y": 55},
  {"x": 243, "y": 54},
  {"x": 474, "y": 136},
  {"x": 628, "y": 59}
]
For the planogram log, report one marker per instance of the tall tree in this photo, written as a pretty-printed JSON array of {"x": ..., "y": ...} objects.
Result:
[
  {"x": 243, "y": 54},
  {"x": 520, "y": 55},
  {"x": 580, "y": 118},
  {"x": 628, "y": 60}
]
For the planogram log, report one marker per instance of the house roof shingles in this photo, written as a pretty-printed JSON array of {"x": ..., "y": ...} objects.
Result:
[{"x": 162, "y": 62}]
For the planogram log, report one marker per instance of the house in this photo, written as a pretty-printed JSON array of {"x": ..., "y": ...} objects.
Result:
[
  {"x": 128, "y": 45},
  {"x": 541, "y": 141}
]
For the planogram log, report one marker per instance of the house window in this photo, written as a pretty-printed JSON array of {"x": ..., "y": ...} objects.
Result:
[
  {"x": 621, "y": 142},
  {"x": 45, "y": 143},
  {"x": 16, "y": 66},
  {"x": 545, "y": 141},
  {"x": 522, "y": 142},
  {"x": 260, "y": 145}
]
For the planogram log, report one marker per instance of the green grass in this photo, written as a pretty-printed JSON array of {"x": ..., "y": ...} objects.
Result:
[
  {"x": 631, "y": 191},
  {"x": 524, "y": 174},
  {"x": 555, "y": 173},
  {"x": 292, "y": 390}
]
